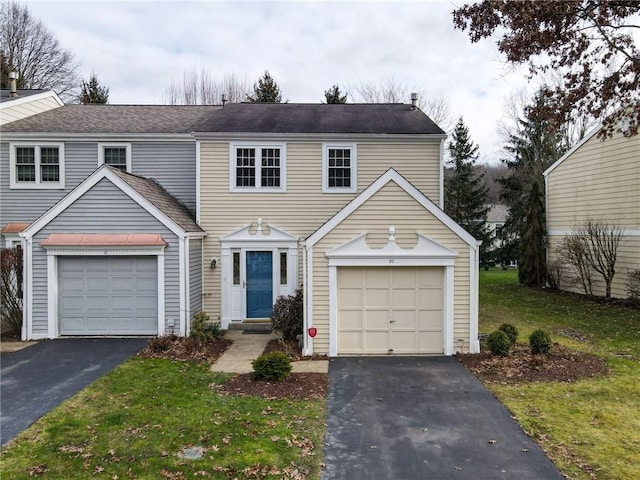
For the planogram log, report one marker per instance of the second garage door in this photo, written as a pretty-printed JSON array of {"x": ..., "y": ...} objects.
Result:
[
  {"x": 108, "y": 295},
  {"x": 397, "y": 310}
]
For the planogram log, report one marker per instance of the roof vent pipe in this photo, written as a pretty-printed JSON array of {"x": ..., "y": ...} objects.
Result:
[
  {"x": 13, "y": 84},
  {"x": 225, "y": 99},
  {"x": 414, "y": 101}
]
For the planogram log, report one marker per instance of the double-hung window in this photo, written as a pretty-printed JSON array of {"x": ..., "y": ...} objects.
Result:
[
  {"x": 339, "y": 170},
  {"x": 117, "y": 155},
  {"x": 37, "y": 165},
  {"x": 258, "y": 168}
]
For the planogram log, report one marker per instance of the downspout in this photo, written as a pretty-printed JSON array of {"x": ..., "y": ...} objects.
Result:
[
  {"x": 305, "y": 299},
  {"x": 441, "y": 186}
]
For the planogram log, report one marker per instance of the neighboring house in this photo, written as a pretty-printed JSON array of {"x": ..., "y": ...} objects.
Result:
[
  {"x": 24, "y": 103},
  {"x": 496, "y": 218},
  {"x": 46, "y": 159},
  {"x": 598, "y": 180},
  {"x": 295, "y": 195},
  {"x": 341, "y": 200}
]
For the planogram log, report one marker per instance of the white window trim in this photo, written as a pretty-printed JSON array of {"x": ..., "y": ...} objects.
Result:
[
  {"x": 258, "y": 188},
  {"x": 325, "y": 168},
  {"x": 37, "y": 185},
  {"x": 102, "y": 146}
]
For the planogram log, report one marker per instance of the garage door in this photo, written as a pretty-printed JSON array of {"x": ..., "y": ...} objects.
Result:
[
  {"x": 108, "y": 295},
  {"x": 384, "y": 310}
]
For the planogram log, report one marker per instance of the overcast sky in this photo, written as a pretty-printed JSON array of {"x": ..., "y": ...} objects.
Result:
[{"x": 138, "y": 47}]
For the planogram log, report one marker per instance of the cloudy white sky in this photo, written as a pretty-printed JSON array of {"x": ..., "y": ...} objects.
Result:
[{"x": 138, "y": 47}]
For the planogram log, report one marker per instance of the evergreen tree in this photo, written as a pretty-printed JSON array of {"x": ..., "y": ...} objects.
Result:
[
  {"x": 266, "y": 90},
  {"x": 533, "y": 149},
  {"x": 464, "y": 192},
  {"x": 93, "y": 92},
  {"x": 334, "y": 95}
]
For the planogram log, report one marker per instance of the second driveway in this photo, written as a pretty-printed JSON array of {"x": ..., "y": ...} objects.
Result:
[
  {"x": 422, "y": 418},
  {"x": 38, "y": 378}
]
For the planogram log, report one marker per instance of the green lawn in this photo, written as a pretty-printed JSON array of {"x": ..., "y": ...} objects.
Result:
[
  {"x": 590, "y": 429},
  {"x": 135, "y": 421}
]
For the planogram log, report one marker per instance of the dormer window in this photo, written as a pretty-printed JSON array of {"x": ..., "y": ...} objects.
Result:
[
  {"x": 37, "y": 165},
  {"x": 257, "y": 168},
  {"x": 117, "y": 155},
  {"x": 339, "y": 168}
]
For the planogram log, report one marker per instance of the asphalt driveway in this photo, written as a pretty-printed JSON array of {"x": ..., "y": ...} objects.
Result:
[
  {"x": 422, "y": 418},
  {"x": 38, "y": 378}
]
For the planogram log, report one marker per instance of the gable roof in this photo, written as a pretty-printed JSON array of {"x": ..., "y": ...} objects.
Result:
[
  {"x": 5, "y": 95},
  {"x": 300, "y": 118},
  {"x": 115, "y": 119},
  {"x": 146, "y": 192},
  {"x": 390, "y": 175}
]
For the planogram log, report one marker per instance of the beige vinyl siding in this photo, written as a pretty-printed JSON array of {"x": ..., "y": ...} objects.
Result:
[
  {"x": 11, "y": 113},
  {"x": 391, "y": 206},
  {"x": 303, "y": 208},
  {"x": 600, "y": 180}
]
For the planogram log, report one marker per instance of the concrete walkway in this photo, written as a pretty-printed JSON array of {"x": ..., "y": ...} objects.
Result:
[{"x": 248, "y": 347}]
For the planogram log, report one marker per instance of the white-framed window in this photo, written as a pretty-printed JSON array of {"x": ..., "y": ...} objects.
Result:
[
  {"x": 117, "y": 155},
  {"x": 36, "y": 165},
  {"x": 339, "y": 168},
  {"x": 258, "y": 167}
]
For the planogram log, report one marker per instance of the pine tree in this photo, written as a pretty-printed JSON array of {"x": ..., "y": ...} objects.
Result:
[
  {"x": 465, "y": 193},
  {"x": 334, "y": 95},
  {"x": 532, "y": 264},
  {"x": 266, "y": 90},
  {"x": 93, "y": 92}
]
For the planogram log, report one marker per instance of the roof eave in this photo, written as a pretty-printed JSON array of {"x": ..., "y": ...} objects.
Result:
[{"x": 421, "y": 137}]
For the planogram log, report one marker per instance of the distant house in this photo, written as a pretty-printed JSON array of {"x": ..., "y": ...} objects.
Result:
[
  {"x": 24, "y": 103},
  {"x": 597, "y": 180},
  {"x": 496, "y": 218},
  {"x": 151, "y": 213}
]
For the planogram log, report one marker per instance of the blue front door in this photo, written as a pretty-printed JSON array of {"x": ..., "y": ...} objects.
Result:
[{"x": 259, "y": 284}]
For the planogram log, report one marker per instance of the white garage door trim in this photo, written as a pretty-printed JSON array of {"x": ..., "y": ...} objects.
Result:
[
  {"x": 52, "y": 276},
  {"x": 426, "y": 253}
]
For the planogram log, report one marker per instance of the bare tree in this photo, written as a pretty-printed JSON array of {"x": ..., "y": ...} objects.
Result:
[
  {"x": 571, "y": 250},
  {"x": 28, "y": 48},
  {"x": 393, "y": 91},
  {"x": 201, "y": 87},
  {"x": 11, "y": 288},
  {"x": 600, "y": 242}
]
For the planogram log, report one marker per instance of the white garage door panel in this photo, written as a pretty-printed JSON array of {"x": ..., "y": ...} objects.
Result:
[
  {"x": 385, "y": 310},
  {"x": 108, "y": 295}
]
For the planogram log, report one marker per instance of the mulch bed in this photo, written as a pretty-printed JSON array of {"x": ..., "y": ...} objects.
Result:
[
  {"x": 297, "y": 386},
  {"x": 560, "y": 365},
  {"x": 183, "y": 349}
]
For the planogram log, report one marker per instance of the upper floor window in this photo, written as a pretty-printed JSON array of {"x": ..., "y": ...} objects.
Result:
[
  {"x": 117, "y": 155},
  {"x": 258, "y": 168},
  {"x": 37, "y": 165},
  {"x": 339, "y": 168}
]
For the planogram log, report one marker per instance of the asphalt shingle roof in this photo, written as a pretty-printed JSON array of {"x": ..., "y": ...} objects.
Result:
[
  {"x": 124, "y": 119},
  {"x": 5, "y": 94},
  {"x": 163, "y": 200},
  {"x": 355, "y": 118}
]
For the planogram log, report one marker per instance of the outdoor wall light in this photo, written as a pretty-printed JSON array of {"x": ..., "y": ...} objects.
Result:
[{"x": 214, "y": 262}]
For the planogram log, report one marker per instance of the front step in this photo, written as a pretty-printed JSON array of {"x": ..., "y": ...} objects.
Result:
[{"x": 252, "y": 325}]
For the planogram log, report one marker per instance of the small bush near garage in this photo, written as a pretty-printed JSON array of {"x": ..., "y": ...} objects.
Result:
[
  {"x": 287, "y": 316},
  {"x": 540, "y": 342},
  {"x": 511, "y": 331},
  {"x": 499, "y": 343},
  {"x": 271, "y": 366},
  {"x": 11, "y": 289},
  {"x": 163, "y": 343},
  {"x": 203, "y": 330},
  {"x": 633, "y": 286}
]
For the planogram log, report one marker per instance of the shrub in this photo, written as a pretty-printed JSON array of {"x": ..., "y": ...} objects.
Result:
[
  {"x": 203, "y": 330},
  {"x": 271, "y": 366},
  {"x": 162, "y": 343},
  {"x": 499, "y": 343},
  {"x": 540, "y": 342},
  {"x": 11, "y": 288},
  {"x": 287, "y": 316},
  {"x": 511, "y": 331},
  {"x": 633, "y": 285}
]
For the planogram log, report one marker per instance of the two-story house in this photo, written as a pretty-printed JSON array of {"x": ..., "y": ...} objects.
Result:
[{"x": 343, "y": 201}]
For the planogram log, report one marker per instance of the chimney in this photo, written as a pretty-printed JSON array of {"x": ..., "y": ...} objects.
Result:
[
  {"x": 414, "y": 101},
  {"x": 13, "y": 88},
  {"x": 225, "y": 99}
]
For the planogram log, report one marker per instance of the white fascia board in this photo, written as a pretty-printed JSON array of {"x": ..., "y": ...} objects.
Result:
[
  {"x": 96, "y": 137},
  {"x": 376, "y": 186},
  {"x": 31, "y": 98},
  {"x": 84, "y": 187},
  {"x": 584, "y": 140},
  {"x": 319, "y": 137}
]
